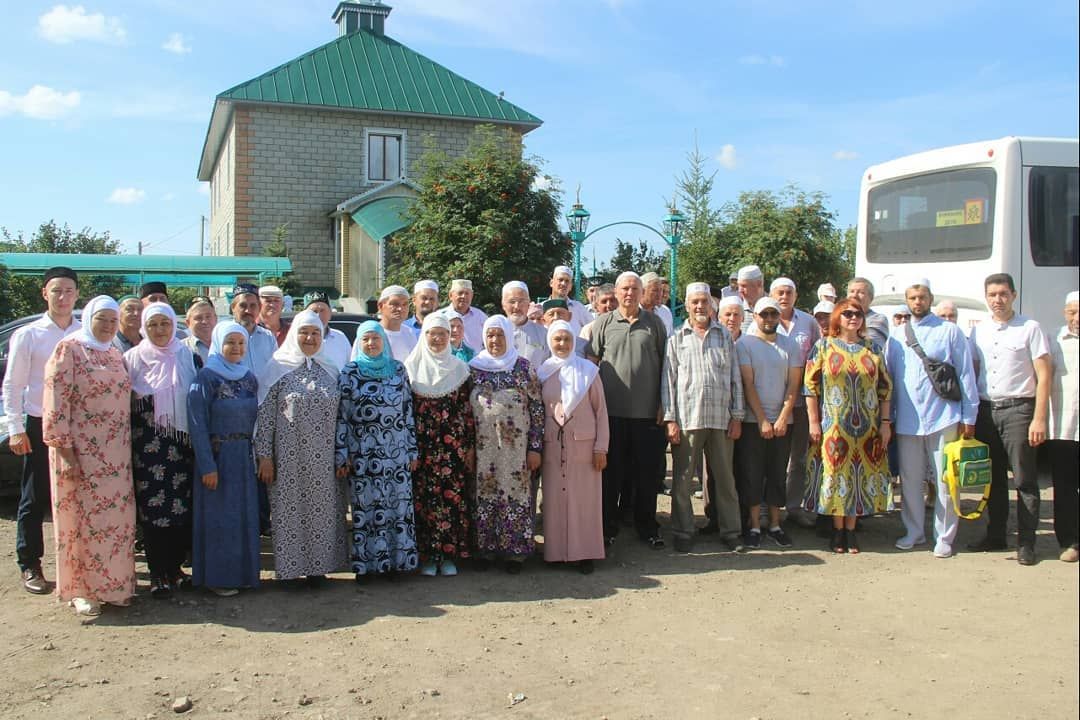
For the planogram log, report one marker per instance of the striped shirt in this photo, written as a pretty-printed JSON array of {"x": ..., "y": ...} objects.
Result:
[{"x": 702, "y": 387}]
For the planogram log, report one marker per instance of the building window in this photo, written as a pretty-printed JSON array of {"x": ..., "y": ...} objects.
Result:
[
  {"x": 1054, "y": 216},
  {"x": 384, "y": 155}
]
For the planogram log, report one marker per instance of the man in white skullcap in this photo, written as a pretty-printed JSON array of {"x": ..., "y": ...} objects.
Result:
[
  {"x": 425, "y": 300},
  {"x": 803, "y": 329},
  {"x": 562, "y": 285},
  {"x": 702, "y": 400},
  {"x": 461, "y": 296},
  {"x": 826, "y": 293},
  {"x": 729, "y": 313},
  {"x": 393, "y": 307},
  {"x": 751, "y": 282},
  {"x": 924, "y": 421},
  {"x": 732, "y": 288},
  {"x": 1064, "y": 436},
  {"x": 652, "y": 299},
  {"x": 822, "y": 314},
  {"x": 271, "y": 304},
  {"x": 530, "y": 339}
]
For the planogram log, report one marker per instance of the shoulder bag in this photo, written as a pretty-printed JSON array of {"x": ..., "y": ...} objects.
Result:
[{"x": 942, "y": 375}]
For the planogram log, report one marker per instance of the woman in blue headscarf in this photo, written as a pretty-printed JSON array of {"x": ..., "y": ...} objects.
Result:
[
  {"x": 376, "y": 451},
  {"x": 222, "y": 407}
]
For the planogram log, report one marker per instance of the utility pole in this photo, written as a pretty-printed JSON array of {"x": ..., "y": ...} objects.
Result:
[{"x": 140, "y": 247}]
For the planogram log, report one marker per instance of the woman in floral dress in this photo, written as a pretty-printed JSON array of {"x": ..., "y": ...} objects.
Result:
[
  {"x": 86, "y": 422},
  {"x": 376, "y": 451},
  {"x": 162, "y": 369},
  {"x": 509, "y": 412},
  {"x": 848, "y": 392},
  {"x": 446, "y": 441},
  {"x": 298, "y": 405}
]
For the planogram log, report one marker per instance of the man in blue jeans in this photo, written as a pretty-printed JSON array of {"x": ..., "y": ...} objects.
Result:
[{"x": 24, "y": 382}]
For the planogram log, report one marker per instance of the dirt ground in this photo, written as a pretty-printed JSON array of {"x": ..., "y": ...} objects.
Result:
[{"x": 796, "y": 633}]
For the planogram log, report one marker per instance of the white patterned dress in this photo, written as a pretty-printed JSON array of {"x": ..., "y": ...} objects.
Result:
[{"x": 307, "y": 502}]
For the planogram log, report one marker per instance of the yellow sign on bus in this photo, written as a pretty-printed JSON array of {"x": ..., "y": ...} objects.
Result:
[
  {"x": 974, "y": 210},
  {"x": 948, "y": 218}
]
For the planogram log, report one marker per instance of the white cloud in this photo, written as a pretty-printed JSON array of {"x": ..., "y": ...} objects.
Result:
[
  {"x": 39, "y": 102},
  {"x": 845, "y": 155},
  {"x": 176, "y": 45},
  {"x": 64, "y": 24},
  {"x": 126, "y": 196},
  {"x": 727, "y": 158},
  {"x": 770, "y": 60}
]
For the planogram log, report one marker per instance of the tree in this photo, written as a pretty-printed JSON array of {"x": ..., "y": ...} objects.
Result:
[
  {"x": 694, "y": 191},
  {"x": 279, "y": 247},
  {"x": 22, "y": 294},
  {"x": 640, "y": 259},
  {"x": 478, "y": 216}
]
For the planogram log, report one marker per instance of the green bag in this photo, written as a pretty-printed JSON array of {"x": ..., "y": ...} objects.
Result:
[{"x": 966, "y": 465}]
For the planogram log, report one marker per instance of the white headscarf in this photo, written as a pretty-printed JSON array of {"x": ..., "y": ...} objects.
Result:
[
  {"x": 434, "y": 374},
  {"x": 85, "y": 335},
  {"x": 289, "y": 356},
  {"x": 164, "y": 372},
  {"x": 485, "y": 360},
  {"x": 576, "y": 373}
]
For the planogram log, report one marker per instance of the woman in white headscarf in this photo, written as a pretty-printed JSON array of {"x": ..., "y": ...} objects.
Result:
[
  {"x": 86, "y": 422},
  {"x": 446, "y": 442},
  {"x": 509, "y": 415},
  {"x": 294, "y": 443},
  {"x": 162, "y": 369},
  {"x": 575, "y": 453}
]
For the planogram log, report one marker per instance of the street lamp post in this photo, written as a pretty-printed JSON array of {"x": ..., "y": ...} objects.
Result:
[
  {"x": 578, "y": 222},
  {"x": 673, "y": 225}
]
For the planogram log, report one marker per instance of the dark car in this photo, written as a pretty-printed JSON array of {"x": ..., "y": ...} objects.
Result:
[{"x": 345, "y": 322}]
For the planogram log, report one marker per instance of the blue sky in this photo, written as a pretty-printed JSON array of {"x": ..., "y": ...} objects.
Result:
[{"x": 104, "y": 104}]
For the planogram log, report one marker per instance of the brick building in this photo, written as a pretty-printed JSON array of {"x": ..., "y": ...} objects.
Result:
[{"x": 327, "y": 143}]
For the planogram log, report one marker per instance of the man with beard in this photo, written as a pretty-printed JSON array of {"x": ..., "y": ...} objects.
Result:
[
  {"x": 425, "y": 301},
  {"x": 261, "y": 343}
]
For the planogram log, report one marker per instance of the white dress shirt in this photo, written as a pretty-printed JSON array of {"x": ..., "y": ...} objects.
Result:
[
  {"x": 1064, "y": 391},
  {"x": 337, "y": 347},
  {"x": 1005, "y": 354},
  {"x": 24, "y": 382}
]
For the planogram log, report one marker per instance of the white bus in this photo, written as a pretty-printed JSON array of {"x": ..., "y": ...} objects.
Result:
[{"x": 958, "y": 214}]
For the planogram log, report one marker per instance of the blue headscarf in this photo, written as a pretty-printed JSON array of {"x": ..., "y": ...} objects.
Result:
[
  {"x": 376, "y": 368},
  {"x": 216, "y": 361}
]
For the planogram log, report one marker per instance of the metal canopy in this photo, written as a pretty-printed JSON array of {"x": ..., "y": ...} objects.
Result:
[
  {"x": 175, "y": 269},
  {"x": 384, "y": 216}
]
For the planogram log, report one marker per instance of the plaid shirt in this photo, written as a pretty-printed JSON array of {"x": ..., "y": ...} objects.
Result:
[{"x": 702, "y": 387}]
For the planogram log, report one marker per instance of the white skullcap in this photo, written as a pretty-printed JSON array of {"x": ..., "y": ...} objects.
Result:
[
  {"x": 824, "y": 307},
  {"x": 764, "y": 304},
  {"x": 920, "y": 281},
  {"x": 561, "y": 270},
  {"x": 1072, "y": 297},
  {"x": 515, "y": 285},
  {"x": 425, "y": 285},
  {"x": 391, "y": 291},
  {"x": 649, "y": 277},
  {"x": 734, "y": 275},
  {"x": 450, "y": 313},
  {"x": 270, "y": 291},
  {"x": 749, "y": 272},
  {"x": 782, "y": 282},
  {"x": 460, "y": 284},
  {"x": 697, "y": 288},
  {"x": 826, "y": 290},
  {"x": 628, "y": 274},
  {"x": 730, "y": 300}
]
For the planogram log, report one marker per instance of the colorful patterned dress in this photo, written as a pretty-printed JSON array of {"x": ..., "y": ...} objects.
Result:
[
  {"x": 445, "y": 433},
  {"x": 848, "y": 472},
  {"x": 509, "y": 414},
  {"x": 376, "y": 439},
  {"x": 87, "y": 407}
]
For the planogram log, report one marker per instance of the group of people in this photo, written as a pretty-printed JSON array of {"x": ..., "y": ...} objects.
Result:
[{"x": 431, "y": 439}]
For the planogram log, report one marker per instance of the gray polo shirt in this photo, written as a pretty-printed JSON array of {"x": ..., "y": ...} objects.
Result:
[
  {"x": 631, "y": 362},
  {"x": 770, "y": 362}
]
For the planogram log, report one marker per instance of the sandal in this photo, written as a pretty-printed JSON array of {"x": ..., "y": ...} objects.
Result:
[
  {"x": 85, "y": 608},
  {"x": 852, "y": 542},
  {"x": 839, "y": 541}
]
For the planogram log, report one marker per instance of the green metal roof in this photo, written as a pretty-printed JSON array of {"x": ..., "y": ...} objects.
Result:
[
  {"x": 384, "y": 216},
  {"x": 149, "y": 267},
  {"x": 365, "y": 71}
]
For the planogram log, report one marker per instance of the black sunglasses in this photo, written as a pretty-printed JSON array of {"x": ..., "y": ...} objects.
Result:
[{"x": 849, "y": 314}]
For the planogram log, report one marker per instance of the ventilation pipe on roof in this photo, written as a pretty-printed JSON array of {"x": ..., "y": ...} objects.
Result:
[{"x": 353, "y": 15}]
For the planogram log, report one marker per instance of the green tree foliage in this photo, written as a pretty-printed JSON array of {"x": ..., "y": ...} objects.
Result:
[
  {"x": 279, "y": 247},
  {"x": 22, "y": 294},
  {"x": 694, "y": 190},
  {"x": 791, "y": 233},
  {"x": 640, "y": 259},
  {"x": 478, "y": 216}
]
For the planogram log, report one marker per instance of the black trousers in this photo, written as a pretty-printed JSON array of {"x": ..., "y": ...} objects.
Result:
[
  {"x": 633, "y": 448},
  {"x": 1064, "y": 459},
  {"x": 764, "y": 467},
  {"x": 1005, "y": 430},
  {"x": 34, "y": 500},
  {"x": 166, "y": 548}
]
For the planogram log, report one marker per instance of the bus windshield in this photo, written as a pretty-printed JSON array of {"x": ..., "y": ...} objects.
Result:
[{"x": 938, "y": 217}]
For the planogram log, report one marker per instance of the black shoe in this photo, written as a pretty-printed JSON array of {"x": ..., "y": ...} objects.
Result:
[
  {"x": 1025, "y": 555},
  {"x": 752, "y": 540},
  {"x": 34, "y": 581},
  {"x": 315, "y": 581},
  {"x": 709, "y": 529},
  {"x": 609, "y": 541},
  {"x": 734, "y": 544},
  {"x": 181, "y": 581},
  {"x": 585, "y": 567},
  {"x": 159, "y": 589},
  {"x": 655, "y": 542},
  {"x": 683, "y": 545},
  {"x": 780, "y": 537},
  {"x": 513, "y": 567},
  {"x": 987, "y": 544}
]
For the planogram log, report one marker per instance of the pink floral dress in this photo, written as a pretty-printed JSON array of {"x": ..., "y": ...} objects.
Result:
[{"x": 87, "y": 407}]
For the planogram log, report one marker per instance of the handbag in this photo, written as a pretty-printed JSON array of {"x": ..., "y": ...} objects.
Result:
[
  {"x": 966, "y": 466},
  {"x": 942, "y": 375}
]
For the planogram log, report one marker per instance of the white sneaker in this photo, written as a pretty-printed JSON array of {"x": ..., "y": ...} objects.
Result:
[
  {"x": 907, "y": 543},
  {"x": 86, "y": 608},
  {"x": 429, "y": 569},
  {"x": 941, "y": 550},
  {"x": 448, "y": 568}
]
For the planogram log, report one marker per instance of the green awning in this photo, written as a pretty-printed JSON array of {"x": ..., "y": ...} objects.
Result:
[{"x": 384, "y": 216}]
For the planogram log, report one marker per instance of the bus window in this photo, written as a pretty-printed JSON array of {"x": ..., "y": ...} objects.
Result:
[
  {"x": 1054, "y": 202},
  {"x": 937, "y": 217}
]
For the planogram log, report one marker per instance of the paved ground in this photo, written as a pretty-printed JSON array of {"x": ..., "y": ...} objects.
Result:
[{"x": 795, "y": 633}]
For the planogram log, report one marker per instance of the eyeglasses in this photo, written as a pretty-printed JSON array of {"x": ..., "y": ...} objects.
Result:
[{"x": 850, "y": 314}]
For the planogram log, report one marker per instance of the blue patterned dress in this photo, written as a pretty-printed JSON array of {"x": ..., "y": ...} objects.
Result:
[{"x": 376, "y": 440}]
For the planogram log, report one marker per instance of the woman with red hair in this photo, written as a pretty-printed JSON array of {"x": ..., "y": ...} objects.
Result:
[{"x": 848, "y": 394}]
